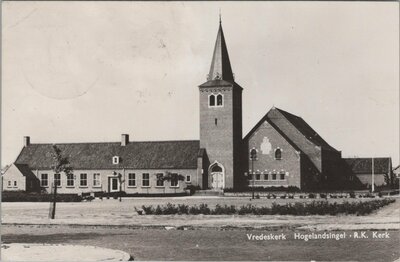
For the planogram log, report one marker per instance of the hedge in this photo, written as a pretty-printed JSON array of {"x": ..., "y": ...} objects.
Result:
[
  {"x": 20, "y": 196},
  {"x": 296, "y": 209}
]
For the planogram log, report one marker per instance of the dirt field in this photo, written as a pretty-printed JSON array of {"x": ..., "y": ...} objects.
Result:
[{"x": 113, "y": 212}]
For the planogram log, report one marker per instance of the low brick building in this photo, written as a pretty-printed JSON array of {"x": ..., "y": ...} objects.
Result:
[
  {"x": 359, "y": 171},
  {"x": 97, "y": 166}
]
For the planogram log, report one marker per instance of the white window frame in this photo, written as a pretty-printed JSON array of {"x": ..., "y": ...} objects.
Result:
[
  {"x": 115, "y": 160},
  {"x": 98, "y": 180},
  {"x": 9, "y": 184},
  {"x": 130, "y": 179},
  {"x": 15, "y": 183},
  {"x": 284, "y": 175},
  {"x": 81, "y": 180},
  {"x": 69, "y": 180},
  {"x": 163, "y": 182},
  {"x": 216, "y": 100},
  {"x": 272, "y": 176},
  {"x": 147, "y": 179},
  {"x": 188, "y": 180},
  {"x": 177, "y": 182},
  {"x": 58, "y": 180},
  {"x": 47, "y": 180}
]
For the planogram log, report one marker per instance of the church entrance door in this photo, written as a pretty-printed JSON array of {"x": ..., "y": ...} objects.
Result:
[
  {"x": 217, "y": 176},
  {"x": 217, "y": 180}
]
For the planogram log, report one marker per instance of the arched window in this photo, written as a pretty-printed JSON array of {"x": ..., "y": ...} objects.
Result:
[
  {"x": 216, "y": 168},
  {"x": 219, "y": 100},
  {"x": 211, "y": 100},
  {"x": 278, "y": 153}
]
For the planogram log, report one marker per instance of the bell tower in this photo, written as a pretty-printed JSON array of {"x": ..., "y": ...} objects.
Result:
[{"x": 221, "y": 119}]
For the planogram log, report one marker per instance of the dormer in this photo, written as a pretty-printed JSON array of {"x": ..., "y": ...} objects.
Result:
[{"x": 115, "y": 160}]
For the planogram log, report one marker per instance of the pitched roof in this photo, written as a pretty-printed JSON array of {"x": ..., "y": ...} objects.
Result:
[
  {"x": 364, "y": 165},
  {"x": 25, "y": 171},
  {"x": 220, "y": 65},
  {"x": 135, "y": 155},
  {"x": 284, "y": 122}
]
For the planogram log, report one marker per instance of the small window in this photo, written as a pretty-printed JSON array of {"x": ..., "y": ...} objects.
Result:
[
  {"x": 282, "y": 176},
  {"x": 44, "y": 180},
  {"x": 211, "y": 100},
  {"x": 216, "y": 121},
  {"x": 9, "y": 183},
  {"x": 70, "y": 180},
  {"x": 265, "y": 176},
  {"x": 15, "y": 183},
  {"x": 132, "y": 179},
  {"x": 145, "y": 179},
  {"x": 57, "y": 180},
  {"x": 160, "y": 180},
  {"x": 115, "y": 160},
  {"x": 219, "y": 100},
  {"x": 96, "y": 180},
  {"x": 188, "y": 179},
  {"x": 278, "y": 154},
  {"x": 258, "y": 176},
  {"x": 174, "y": 180},
  {"x": 273, "y": 176},
  {"x": 83, "y": 180}
]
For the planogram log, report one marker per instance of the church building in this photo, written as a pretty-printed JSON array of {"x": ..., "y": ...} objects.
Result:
[{"x": 289, "y": 152}]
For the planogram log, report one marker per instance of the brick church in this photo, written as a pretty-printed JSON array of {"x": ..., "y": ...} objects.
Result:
[{"x": 289, "y": 151}]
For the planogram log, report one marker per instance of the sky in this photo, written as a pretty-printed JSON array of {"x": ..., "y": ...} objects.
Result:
[{"x": 91, "y": 71}]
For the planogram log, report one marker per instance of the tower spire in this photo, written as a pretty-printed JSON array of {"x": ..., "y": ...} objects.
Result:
[{"x": 220, "y": 65}]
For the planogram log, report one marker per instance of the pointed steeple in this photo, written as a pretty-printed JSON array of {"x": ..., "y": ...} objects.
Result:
[{"x": 220, "y": 65}]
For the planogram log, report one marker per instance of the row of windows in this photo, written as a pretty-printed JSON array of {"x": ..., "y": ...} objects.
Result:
[
  {"x": 215, "y": 100},
  {"x": 272, "y": 176},
  {"x": 83, "y": 180},
  {"x": 10, "y": 183}
]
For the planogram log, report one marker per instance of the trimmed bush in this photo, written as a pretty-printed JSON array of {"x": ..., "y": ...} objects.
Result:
[
  {"x": 21, "y": 196},
  {"x": 296, "y": 209}
]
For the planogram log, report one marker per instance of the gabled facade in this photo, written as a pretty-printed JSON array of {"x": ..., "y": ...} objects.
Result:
[{"x": 290, "y": 153}]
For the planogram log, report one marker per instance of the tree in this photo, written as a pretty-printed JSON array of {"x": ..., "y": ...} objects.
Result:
[{"x": 60, "y": 164}]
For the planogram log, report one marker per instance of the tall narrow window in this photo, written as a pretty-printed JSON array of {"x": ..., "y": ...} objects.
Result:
[
  {"x": 278, "y": 154},
  {"x": 273, "y": 176},
  {"x": 96, "y": 180},
  {"x": 216, "y": 121},
  {"x": 132, "y": 179},
  {"x": 83, "y": 180},
  {"x": 15, "y": 183},
  {"x": 219, "y": 100},
  {"x": 258, "y": 176},
  {"x": 70, "y": 180},
  {"x": 174, "y": 180},
  {"x": 211, "y": 100},
  {"x": 44, "y": 181},
  {"x": 265, "y": 176},
  {"x": 188, "y": 179},
  {"x": 57, "y": 180},
  {"x": 160, "y": 180},
  {"x": 9, "y": 183},
  {"x": 282, "y": 175},
  {"x": 145, "y": 179}
]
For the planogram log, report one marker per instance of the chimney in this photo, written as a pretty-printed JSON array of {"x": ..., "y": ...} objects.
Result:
[
  {"x": 124, "y": 139},
  {"x": 27, "y": 140}
]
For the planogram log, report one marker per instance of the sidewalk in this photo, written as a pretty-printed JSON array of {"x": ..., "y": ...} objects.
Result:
[{"x": 59, "y": 252}]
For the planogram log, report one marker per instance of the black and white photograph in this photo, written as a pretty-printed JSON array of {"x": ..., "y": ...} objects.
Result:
[{"x": 200, "y": 131}]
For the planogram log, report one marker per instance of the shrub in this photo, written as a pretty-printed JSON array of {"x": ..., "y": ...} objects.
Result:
[
  {"x": 352, "y": 194},
  {"x": 299, "y": 208},
  {"x": 283, "y": 196},
  {"x": 21, "y": 196},
  {"x": 192, "y": 188},
  {"x": 322, "y": 195},
  {"x": 311, "y": 195},
  {"x": 380, "y": 194}
]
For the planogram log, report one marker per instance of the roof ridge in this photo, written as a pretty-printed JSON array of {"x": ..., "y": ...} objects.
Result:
[{"x": 114, "y": 142}]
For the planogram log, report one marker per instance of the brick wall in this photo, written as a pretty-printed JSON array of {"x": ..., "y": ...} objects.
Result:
[{"x": 266, "y": 140}]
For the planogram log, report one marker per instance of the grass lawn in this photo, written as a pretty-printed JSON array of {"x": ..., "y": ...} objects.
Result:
[{"x": 210, "y": 244}]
